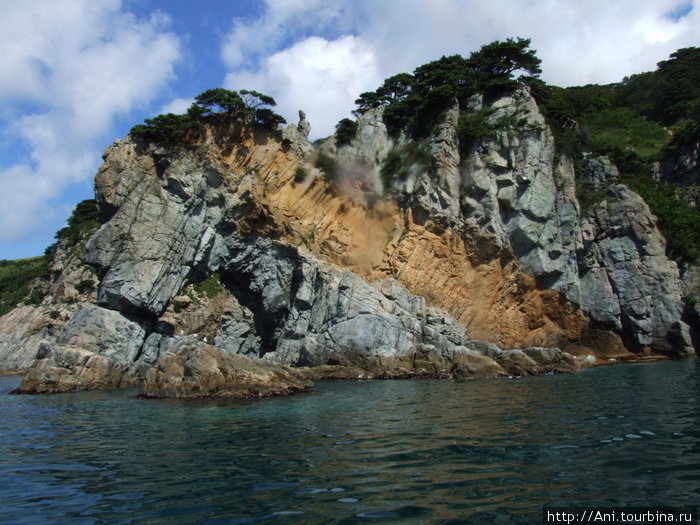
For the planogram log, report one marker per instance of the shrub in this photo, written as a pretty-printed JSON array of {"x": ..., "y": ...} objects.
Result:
[
  {"x": 471, "y": 128},
  {"x": 328, "y": 166},
  {"x": 84, "y": 220},
  {"x": 300, "y": 174},
  {"x": 398, "y": 163},
  {"x": 587, "y": 194},
  {"x": 414, "y": 103},
  {"x": 678, "y": 220},
  {"x": 178, "y": 306},
  {"x": 168, "y": 129},
  {"x": 209, "y": 287},
  {"x": 16, "y": 278},
  {"x": 86, "y": 286},
  {"x": 345, "y": 131},
  {"x": 212, "y": 106}
]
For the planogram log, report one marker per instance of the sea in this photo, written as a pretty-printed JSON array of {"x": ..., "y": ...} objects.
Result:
[{"x": 401, "y": 451}]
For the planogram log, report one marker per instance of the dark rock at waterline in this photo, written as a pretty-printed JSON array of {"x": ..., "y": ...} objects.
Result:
[
  {"x": 191, "y": 369},
  {"x": 72, "y": 369}
]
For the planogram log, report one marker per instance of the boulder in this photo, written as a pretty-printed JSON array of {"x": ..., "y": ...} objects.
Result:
[
  {"x": 21, "y": 332},
  {"x": 71, "y": 369},
  {"x": 104, "y": 332},
  {"x": 191, "y": 368}
]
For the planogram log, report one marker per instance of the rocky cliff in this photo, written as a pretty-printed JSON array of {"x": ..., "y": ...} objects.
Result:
[{"x": 238, "y": 259}]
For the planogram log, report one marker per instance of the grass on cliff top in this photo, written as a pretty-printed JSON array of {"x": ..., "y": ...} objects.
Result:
[{"x": 16, "y": 278}]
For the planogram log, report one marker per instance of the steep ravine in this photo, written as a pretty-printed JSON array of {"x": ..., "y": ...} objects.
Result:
[{"x": 476, "y": 265}]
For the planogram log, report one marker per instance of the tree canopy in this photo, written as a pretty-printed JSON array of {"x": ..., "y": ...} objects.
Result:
[
  {"x": 345, "y": 131},
  {"x": 212, "y": 106},
  {"x": 220, "y": 99},
  {"x": 415, "y": 101}
]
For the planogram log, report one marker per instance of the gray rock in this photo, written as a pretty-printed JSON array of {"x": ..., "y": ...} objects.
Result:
[
  {"x": 72, "y": 369},
  {"x": 601, "y": 172},
  {"x": 237, "y": 333},
  {"x": 21, "y": 332},
  {"x": 297, "y": 135},
  {"x": 154, "y": 345},
  {"x": 682, "y": 167},
  {"x": 516, "y": 362},
  {"x": 179, "y": 215},
  {"x": 303, "y": 126},
  {"x": 104, "y": 332},
  {"x": 627, "y": 278}
]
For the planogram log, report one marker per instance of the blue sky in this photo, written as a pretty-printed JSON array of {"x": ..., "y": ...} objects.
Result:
[{"x": 77, "y": 74}]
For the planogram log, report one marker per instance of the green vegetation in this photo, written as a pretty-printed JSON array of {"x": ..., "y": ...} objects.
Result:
[
  {"x": 168, "y": 129},
  {"x": 328, "y": 166},
  {"x": 588, "y": 195},
  {"x": 300, "y": 175},
  {"x": 677, "y": 220},
  {"x": 214, "y": 106},
  {"x": 687, "y": 135},
  {"x": 632, "y": 115},
  {"x": 473, "y": 127},
  {"x": 639, "y": 121},
  {"x": 209, "y": 287},
  {"x": 84, "y": 221},
  {"x": 635, "y": 122},
  {"x": 398, "y": 163},
  {"x": 16, "y": 279},
  {"x": 414, "y": 103},
  {"x": 319, "y": 142},
  {"x": 86, "y": 286},
  {"x": 345, "y": 131}
]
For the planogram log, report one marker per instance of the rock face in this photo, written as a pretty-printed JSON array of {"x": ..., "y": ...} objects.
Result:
[
  {"x": 21, "y": 332},
  {"x": 627, "y": 280},
  {"x": 683, "y": 166},
  {"x": 515, "y": 192},
  {"x": 194, "y": 369},
  {"x": 71, "y": 285},
  {"x": 484, "y": 248},
  {"x": 602, "y": 172}
]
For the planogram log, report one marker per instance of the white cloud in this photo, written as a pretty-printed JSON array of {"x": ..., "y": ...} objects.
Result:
[
  {"x": 177, "y": 106},
  {"x": 250, "y": 41},
  {"x": 579, "y": 42},
  {"x": 69, "y": 68},
  {"x": 319, "y": 76}
]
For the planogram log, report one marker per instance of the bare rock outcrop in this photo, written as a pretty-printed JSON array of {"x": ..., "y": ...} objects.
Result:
[
  {"x": 61, "y": 368},
  {"x": 682, "y": 166},
  {"x": 628, "y": 280},
  {"x": 489, "y": 238},
  {"x": 71, "y": 285},
  {"x": 194, "y": 369},
  {"x": 21, "y": 332}
]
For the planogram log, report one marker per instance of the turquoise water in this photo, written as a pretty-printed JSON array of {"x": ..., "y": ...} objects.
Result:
[{"x": 416, "y": 451}]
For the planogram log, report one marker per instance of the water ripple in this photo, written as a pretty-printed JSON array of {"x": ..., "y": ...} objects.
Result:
[{"x": 401, "y": 451}]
